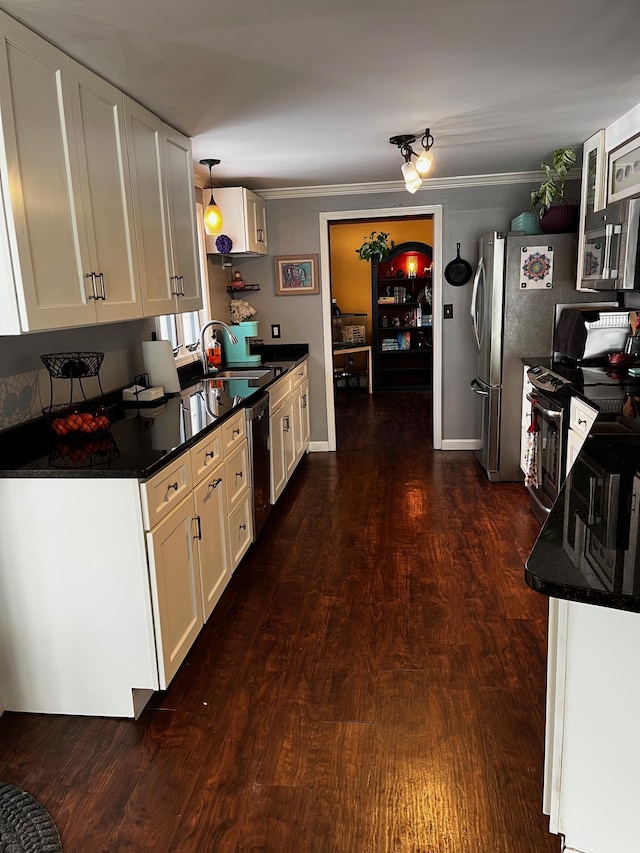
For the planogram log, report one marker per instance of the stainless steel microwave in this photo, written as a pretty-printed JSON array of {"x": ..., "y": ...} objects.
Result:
[{"x": 610, "y": 259}]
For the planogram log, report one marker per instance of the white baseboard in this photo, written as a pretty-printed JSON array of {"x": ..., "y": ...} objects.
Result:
[
  {"x": 461, "y": 444},
  {"x": 318, "y": 447}
]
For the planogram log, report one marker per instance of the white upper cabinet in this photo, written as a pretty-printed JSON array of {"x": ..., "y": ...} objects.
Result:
[
  {"x": 244, "y": 220},
  {"x": 106, "y": 197},
  {"x": 97, "y": 216},
  {"x": 41, "y": 188},
  {"x": 181, "y": 216}
]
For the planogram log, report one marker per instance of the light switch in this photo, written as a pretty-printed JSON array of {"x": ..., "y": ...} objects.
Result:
[{"x": 275, "y": 330}]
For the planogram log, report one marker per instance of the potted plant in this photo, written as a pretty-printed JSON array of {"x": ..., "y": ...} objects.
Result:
[
  {"x": 557, "y": 214},
  {"x": 375, "y": 246}
]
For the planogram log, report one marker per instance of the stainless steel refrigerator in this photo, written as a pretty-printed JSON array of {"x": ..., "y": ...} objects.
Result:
[{"x": 518, "y": 281}]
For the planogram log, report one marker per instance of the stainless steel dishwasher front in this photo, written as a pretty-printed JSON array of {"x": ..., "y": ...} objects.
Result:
[{"x": 258, "y": 435}]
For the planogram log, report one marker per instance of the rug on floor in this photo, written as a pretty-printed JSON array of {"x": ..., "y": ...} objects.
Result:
[{"x": 25, "y": 826}]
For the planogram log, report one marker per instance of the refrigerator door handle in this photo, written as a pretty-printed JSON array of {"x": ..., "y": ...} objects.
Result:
[
  {"x": 474, "y": 299},
  {"x": 477, "y": 389}
]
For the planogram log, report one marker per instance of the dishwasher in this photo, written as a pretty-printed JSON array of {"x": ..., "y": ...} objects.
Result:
[{"x": 258, "y": 436}]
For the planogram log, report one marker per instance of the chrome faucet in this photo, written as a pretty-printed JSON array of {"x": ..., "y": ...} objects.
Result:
[{"x": 206, "y": 367}]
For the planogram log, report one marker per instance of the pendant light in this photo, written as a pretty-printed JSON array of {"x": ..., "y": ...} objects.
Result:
[{"x": 212, "y": 213}]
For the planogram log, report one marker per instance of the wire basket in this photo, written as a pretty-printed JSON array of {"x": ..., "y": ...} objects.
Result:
[
  {"x": 73, "y": 365},
  {"x": 80, "y": 420},
  {"x": 89, "y": 452}
]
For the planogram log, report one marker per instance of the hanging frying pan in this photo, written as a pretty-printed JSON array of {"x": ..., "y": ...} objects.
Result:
[{"x": 458, "y": 271}]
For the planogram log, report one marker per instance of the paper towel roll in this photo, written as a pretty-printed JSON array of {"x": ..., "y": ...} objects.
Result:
[{"x": 160, "y": 364}]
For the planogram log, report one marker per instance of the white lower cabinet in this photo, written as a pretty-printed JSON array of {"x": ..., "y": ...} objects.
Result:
[
  {"x": 213, "y": 551},
  {"x": 289, "y": 426},
  {"x": 592, "y": 785},
  {"x": 176, "y": 587},
  {"x": 115, "y": 587},
  {"x": 196, "y": 545}
]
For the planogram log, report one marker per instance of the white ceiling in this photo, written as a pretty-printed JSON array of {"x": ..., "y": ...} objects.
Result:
[{"x": 290, "y": 93}]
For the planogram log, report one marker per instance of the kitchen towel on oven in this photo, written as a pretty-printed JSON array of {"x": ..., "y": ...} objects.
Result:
[
  {"x": 571, "y": 332},
  {"x": 531, "y": 454}
]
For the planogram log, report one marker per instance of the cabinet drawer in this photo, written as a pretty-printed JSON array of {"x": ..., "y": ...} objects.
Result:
[
  {"x": 581, "y": 417},
  {"x": 236, "y": 469},
  {"x": 240, "y": 530},
  {"x": 165, "y": 490},
  {"x": 299, "y": 374},
  {"x": 278, "y": 393},
  {"x": 233, "y": 432},
  {"x": 205, "y": 455}
]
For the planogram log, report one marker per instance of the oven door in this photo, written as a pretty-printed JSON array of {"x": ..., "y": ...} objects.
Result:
[{"x": 548, "y": 416}]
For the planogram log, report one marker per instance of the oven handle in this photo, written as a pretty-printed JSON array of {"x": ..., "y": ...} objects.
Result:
[
  {"x": 591, "y": 517},
  {"x": 550, "y": 413}
]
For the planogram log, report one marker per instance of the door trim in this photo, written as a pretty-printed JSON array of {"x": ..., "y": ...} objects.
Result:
[{"x": 325, "y": 284}]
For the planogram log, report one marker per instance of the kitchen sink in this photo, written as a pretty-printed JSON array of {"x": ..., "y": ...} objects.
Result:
[{"x": 239, "y": 373}]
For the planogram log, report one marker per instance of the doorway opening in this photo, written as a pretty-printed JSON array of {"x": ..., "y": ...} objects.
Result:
[{"x": 347, "y": 279}]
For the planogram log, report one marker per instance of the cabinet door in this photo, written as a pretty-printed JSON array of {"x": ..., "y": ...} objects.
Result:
[
  {"x": 240, "y": 530},
  {"x": 40, "y": 182},
  {"x": 593, "y": 190},
  {"x": 106, "y": 195},
  {"x": 256, "y": 227},
  {"x": 181, "y": 217},
  {"x": 175, "y": 588},
  {"x": 237, "y": 473},
  {"x": 213, "y": 549},
  {"x": 302, "y": 431},
  {"x": 144, "y": 148}
]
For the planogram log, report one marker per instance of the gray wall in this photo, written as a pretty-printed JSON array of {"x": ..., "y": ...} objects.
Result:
[{"x": 293, "y": 228}]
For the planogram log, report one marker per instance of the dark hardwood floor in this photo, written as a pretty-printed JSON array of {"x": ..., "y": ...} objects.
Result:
[{"x": 372, "y": 680}]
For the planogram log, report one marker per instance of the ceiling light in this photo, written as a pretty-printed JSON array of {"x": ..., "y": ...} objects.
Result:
[
  {"x": 414, "y": 172},
  {"x": 212, "y": 214}
]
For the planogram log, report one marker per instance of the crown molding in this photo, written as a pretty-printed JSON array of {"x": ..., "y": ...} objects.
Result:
[{"x": 398, "y": 186}]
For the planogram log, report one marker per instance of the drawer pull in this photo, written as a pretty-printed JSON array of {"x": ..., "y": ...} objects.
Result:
[
  {"x": 199, "y": 526},
  {"x": 581, "y": 422},
  {"x": 243, "y": 527},
  {"x": 215, "y": 483},
  {"x": 285, "y": 423},
  {"x": 239, "y": 474},
  {"x": 236, "y": 431},
  {"x": 210, "y": 454},
  {"x": 173, "y": 486}
]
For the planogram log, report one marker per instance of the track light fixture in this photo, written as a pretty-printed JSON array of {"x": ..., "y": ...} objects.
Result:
[
  {"x": 212, "y": 213},
  {"x": 413, "y": 173}
]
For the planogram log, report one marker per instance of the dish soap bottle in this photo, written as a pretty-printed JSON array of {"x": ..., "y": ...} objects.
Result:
[{"x": 214, "y": 353}]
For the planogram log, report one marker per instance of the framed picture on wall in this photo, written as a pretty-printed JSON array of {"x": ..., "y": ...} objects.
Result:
[
  {"x": 624, "y": 171},
  {"x": 296, "y": 275}
]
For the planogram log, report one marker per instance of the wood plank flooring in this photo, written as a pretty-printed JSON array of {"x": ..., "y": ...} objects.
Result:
[{"x": 372, "y": 680}]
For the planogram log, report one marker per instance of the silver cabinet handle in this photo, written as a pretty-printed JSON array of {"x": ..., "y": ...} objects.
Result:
[
  {"x": 175, "y": 290},
  {"x": 199, "y": 526},
  {"x": 92, "y": 276},
  {"x": 285, "y": 423},
  {"x": 181, "y": 280},
  {"x": 103, "y": 292},
  {"x": 303, "y": 401}
]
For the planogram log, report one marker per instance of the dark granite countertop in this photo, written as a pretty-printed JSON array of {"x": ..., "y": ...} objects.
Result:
[
  {"x": 142, "y": 440},
  {"x": 588, "y": 549}
]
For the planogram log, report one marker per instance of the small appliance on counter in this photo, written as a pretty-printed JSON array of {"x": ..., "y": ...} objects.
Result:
[
  {"x": 240, "y": 353},
  {"x": 586, "y": 333}
]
